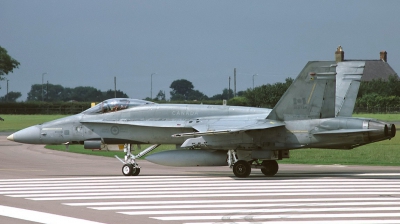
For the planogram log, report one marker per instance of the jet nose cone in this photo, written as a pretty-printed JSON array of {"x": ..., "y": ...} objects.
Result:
[
  {"x": 29, "y": 135},
  {"x": 11, "y": 137}
]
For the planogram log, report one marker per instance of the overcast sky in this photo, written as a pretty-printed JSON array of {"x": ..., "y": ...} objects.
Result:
[{"x": 87, "y": 43}]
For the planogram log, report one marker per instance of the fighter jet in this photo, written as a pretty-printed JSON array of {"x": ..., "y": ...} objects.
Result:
[{"x": 315, "y": 112}]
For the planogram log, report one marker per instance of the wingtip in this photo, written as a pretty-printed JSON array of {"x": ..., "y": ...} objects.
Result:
[{"x": 11, "y": 137}]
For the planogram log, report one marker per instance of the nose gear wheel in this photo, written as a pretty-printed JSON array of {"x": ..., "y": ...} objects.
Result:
[{"x": 130, "y": 167}]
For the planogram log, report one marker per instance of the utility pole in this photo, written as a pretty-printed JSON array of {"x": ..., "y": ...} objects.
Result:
[
  {"x": 253, "y": 79},
  {"x": 234, "y": 82},
  {"x": 47, "y": 91},
  {"x": 115, "y": 87},
  {"x": 7, "y": 91},
  {"x": 42, "y": 84},
  {"x": 229, "y": 90},
  {"x": 151, "y": 85}
]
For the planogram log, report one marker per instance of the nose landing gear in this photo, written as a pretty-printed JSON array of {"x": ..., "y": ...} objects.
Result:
[{"x": 130, "y": 167}]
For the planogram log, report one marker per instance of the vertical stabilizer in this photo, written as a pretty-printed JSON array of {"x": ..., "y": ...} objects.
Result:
[
  {"x": 311, "y": 95},
  {"x": 348, "y": 80}
]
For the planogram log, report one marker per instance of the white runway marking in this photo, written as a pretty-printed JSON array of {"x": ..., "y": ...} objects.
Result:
[
  {"x": 257, "y": 211},
  {"x": 311, "y": 199},
  {"x": 354, "y": 221},
  {"x": 209, "y": 195},
  {"x": 152, "y": 187},
  {"x": 253, "y": 206},
  {"x": 292, "y": 200},
  {"x": 326, "y": 191},
  {"x": 283, "y": 216},
  {"x": 40, "y": 217}
]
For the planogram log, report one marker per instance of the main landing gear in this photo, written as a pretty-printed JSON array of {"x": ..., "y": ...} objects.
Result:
[
  {"x": 242, "y": 168},
  {"x": 130, "y": 167}
]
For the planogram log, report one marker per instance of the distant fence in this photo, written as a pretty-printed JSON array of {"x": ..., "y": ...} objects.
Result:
[
  {"x": 43, "y": 108},
  {"x": 46, "y": 110}
]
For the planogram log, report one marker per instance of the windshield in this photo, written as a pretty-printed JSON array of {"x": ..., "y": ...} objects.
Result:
[{"x": 116, "y": 104}]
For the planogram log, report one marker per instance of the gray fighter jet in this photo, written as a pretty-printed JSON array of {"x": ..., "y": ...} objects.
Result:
[{"x": 315, "y": 112}]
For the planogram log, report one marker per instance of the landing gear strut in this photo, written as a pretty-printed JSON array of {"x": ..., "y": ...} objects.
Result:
[
  {"x": 242, "y": 168},
  {"x": 130, "y": 167}
]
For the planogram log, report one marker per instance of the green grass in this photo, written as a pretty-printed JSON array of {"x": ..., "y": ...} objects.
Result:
[
  {"x": 382, "y": 117},
  {"x": 13, "y": 123},
  {"x": 384, "y": 153},
  {"x": 379, "y": 153}
]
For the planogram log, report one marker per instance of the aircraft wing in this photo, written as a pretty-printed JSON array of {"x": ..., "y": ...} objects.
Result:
[
  {"x": 230, "y": 126},
  {"x": 200, "y": 124}
]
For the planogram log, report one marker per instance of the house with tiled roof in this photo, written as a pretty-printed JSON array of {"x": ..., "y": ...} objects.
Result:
[{"x": 374, "y": 69}]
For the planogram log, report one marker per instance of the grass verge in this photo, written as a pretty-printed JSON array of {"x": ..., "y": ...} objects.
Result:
[
  {"x": 13, "y": 123},
  {"x": 384, "y": 153},
  {"x": 382, "y": 117}
]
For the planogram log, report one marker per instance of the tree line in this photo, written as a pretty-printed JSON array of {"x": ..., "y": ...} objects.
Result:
[
  {"x": 58, "y": 93},
  {"x": 372, "y": 94},
  {"x": 183, "y": 90},
  {"x": 262, "y": 96},
  {"x": 379, "y": 94}
]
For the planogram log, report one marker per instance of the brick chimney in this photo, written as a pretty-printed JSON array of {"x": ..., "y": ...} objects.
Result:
[
  {"x": 339, "y": 54},
  {"x": 383, "y": 56}
]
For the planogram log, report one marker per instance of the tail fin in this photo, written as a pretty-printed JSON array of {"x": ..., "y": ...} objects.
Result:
[
  {"x": 311, "y": 95},
  {"x": 348, "y": 79}
]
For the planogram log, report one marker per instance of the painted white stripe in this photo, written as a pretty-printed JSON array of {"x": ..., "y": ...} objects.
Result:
[
  {"x": 167, "y": 191},
  {"x": 282, "y": 200},
  {"x": 280, "y": 217},
  {"x": 378, "y": 174},
  {"x": 41, "y": 217},
  {"x": 154, "y": 187},
  {"x": 100, "y": 178},
  {"x": 190, "y": 180},
  {"x": 361, "y": 221},
  {"x": 136, "y": 178},
  {"x": 252, "y": 211},
  {"x": 165, "y": 195},
  {"x": 248, "y": 188},
  {"x": 101, "y": 182},
  {"x": 249, "y": 205}
]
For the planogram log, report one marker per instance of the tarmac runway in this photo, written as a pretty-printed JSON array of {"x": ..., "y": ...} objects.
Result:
[{"x": 46, "y": 186}]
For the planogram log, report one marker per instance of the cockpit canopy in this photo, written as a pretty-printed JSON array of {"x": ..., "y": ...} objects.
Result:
[{"x": 115, "y": 104}]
